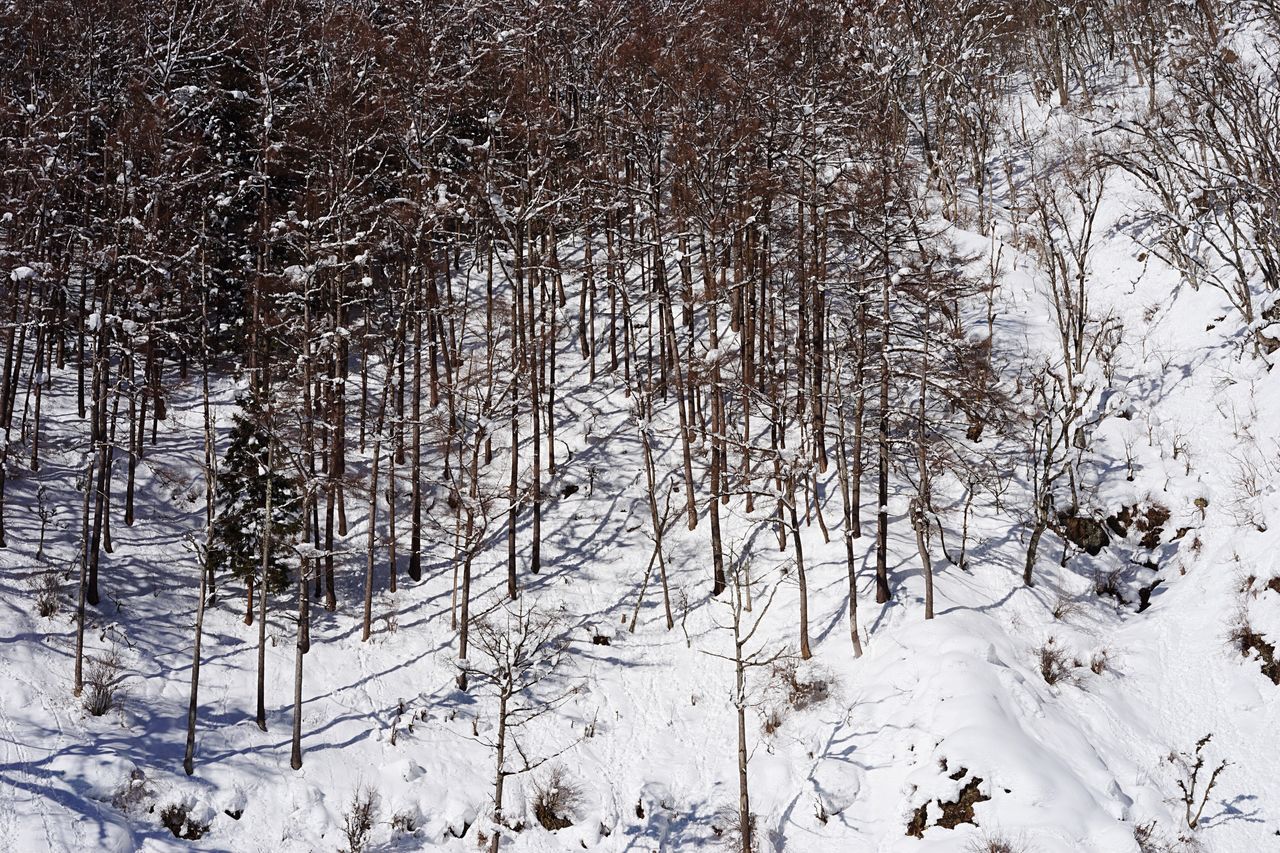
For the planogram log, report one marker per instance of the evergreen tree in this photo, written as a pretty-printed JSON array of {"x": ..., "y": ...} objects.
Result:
[{"x": 243, "y": 481}]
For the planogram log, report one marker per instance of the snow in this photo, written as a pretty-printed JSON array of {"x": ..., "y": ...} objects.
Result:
[{"x": 1072, "y": 767}]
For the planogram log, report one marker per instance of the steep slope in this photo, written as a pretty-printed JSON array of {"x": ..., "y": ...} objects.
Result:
[{"x": 954, "y": 711}]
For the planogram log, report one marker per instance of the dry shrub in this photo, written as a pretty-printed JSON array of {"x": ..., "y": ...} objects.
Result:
[
  {"x": 46, "y": 589},
  {"x": 1055, "y": 664},
  {"x": 793, "y": 686},
  {"x": 802, "y": 689},
  {"x": 556, "y": 800},
  {"x": 1065, "y": 606},
  {"x": 997, "y": 844},
  {"x": 131, "y": 795},
  {"x": 1108, "y": 583},
  {"x": 1151, "y": 840},
  {"x": 102, "y": 683},
  {"x": 1249, "y": 487},
  {"x": 404, "y": 822},
  {"x": 1194, "y": 788},
  {"x": 727, "y": 829},
  {"x": 357, "y": 821},
  {"x": 1100, "y": 662},
  {"x": 1145, "y": 835}
]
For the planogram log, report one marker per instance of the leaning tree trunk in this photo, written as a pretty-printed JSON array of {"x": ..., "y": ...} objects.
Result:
[
  {"x": 801, "y": 577},
  {"x": 210, "y": 456},
  {"x": 658, "y": 523},
  {"x": 842, "y": 469},
  {"x": 1037, "y": 531},
  {"x": 188, "y": 759},
  {"x": 84, "y": 577}
]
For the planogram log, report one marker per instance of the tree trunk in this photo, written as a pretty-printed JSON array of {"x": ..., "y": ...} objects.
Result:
[
  {"x": 744, "y": 798},
  {"x": 513, "y": 496},
  {"x": 84, "y": 582},
  {"x": 500, "y": 775},
  {"x": 373, "y": 537},
  {"x": 805, "y": 653},
  {"x": 920, "y": 522},
  {"x": 658, "y": 523},
  {"x": 263, "y": 584},
  {"x": 188, "y": 759},
  {"x": 882, "y": 438},
  {"x": 923, "y": 503},
  {"x": 1033, "y": 545},
  {"x": 842, "y": 470},
  {"x": 535, "y": 484},
  {"x": 210, "y": 456},
  {"x": 300, "y": 650},
  {"x": 415, "y": 529}
]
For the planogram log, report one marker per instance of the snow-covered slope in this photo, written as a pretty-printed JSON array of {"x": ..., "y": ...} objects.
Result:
[{"x": 932, "y": 710}]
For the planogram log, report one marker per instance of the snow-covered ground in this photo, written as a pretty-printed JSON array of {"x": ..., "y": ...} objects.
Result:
[{"x": 649, "y": 736}]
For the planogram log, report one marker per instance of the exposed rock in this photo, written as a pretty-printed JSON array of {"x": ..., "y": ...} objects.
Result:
[
  {"x": 1144, "y": 594},
  {"x": 1250, "y": 641},
  {"x": 1121, "y": 521},
  {"x": 954, "y": 813},
  {"x": 1085, "y": 533},
  {"x": 1268, "y": 331},
  {"x": 549, "y": 819},
  {"x": 1149, "y": 522},
  {"x": 178, "y": 820}
]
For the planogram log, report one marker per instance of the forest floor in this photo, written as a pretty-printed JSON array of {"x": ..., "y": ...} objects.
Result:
[{"x": 932, "y": 709}]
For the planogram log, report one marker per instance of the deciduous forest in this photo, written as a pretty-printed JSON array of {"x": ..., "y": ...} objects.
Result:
[{"x": 817, "y": 425}]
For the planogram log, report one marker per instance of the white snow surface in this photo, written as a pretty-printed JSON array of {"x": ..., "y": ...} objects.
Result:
[{"x": 650, "y": 736}]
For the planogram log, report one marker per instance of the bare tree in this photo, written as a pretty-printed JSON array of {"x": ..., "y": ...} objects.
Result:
[
  {"x": 521, "y": 650},
  {"x": 744, "y": 659}
]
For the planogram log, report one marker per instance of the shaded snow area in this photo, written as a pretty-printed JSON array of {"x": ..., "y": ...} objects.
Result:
[{"x": 944, "y": 734}]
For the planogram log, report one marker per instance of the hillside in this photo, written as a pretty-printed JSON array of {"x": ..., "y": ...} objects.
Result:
[{"x": 681, "y": 341}]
